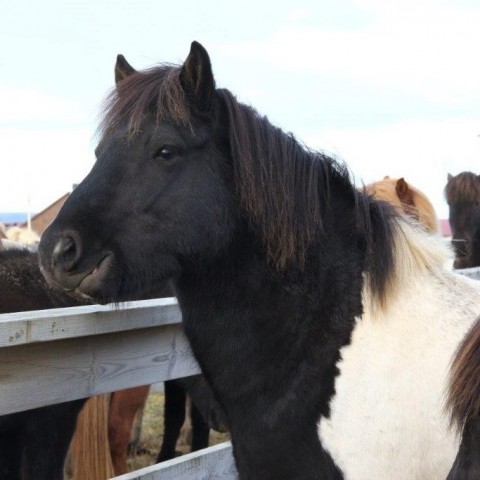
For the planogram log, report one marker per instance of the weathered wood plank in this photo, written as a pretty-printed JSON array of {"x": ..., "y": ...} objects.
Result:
[
  {"x": 63, "y": 354},
  {"x": 45, "y": 373},
  {"x": 59, "y": 323},
  {"x": 213, "y": 463}
]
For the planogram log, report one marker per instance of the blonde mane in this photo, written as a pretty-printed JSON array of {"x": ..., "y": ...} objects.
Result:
[{"x": 416, "y": 253}]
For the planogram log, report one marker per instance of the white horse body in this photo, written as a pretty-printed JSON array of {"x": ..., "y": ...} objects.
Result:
[{"x": 388, "y": 419}]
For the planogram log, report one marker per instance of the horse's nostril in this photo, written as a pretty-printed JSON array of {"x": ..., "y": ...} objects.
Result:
[{"x": 66, "y": 252}]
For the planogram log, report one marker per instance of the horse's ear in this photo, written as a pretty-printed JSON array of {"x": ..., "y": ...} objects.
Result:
[
  {"x": 122, "y": 69},
  {"x": 449, "y": 177},
  {"x": 403, "y": 191},
  {"x": 197, "y": 79}
]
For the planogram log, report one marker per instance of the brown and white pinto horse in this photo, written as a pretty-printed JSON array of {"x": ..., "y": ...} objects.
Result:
[{"x": 324, "y": 322}]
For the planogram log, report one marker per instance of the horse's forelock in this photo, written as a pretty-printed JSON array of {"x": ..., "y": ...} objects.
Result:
[
  {"x": 464, "y": 187},
  {"x": 154, "y": 91}
]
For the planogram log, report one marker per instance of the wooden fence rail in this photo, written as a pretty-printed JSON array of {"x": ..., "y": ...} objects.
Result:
[{"x": 58, "y": 355}]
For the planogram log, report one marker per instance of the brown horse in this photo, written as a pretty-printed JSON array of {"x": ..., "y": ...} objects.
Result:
[
  {"x": 463, "y": 197},
  {"x": 406, "y": 199}
]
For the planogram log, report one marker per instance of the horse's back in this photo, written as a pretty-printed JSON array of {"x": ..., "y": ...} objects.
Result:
[{"x": 388, "y": 418}]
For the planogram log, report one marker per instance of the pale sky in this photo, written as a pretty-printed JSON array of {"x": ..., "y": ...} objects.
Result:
[{"x": 390, "y": 87}]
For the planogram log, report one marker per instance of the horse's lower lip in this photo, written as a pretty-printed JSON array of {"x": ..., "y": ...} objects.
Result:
[{"x": 93, "y": 280}]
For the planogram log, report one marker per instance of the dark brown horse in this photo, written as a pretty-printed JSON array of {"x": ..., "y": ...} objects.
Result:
[
  {"x": 463, "y": 197},
  {"x": 33, "y": 444}
]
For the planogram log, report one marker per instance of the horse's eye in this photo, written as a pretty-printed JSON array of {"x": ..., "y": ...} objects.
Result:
[{"x": 166, "y": 152}]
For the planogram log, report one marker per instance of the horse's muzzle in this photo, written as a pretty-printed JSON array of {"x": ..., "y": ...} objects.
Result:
[{"x": 64, "y": 265}]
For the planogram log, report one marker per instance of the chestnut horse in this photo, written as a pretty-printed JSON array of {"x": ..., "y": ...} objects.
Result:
[{"x": 406, "y": 199}]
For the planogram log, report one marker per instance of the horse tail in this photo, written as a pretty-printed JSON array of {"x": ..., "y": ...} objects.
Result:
[
  {"x": 464, "y": 389},
  {"x": 90, "y": 452}
]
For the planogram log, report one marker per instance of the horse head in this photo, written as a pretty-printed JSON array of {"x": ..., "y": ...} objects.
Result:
[
  {"x": 161, "y": 180},
  {"x": 463, "y": 197}
]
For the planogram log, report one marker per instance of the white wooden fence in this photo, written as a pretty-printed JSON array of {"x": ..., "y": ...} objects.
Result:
[{"x": 54, "y": 356}]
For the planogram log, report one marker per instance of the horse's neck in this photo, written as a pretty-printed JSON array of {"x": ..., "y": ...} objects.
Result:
[
  {"x": 266, "y": 347},
  {"x": 267, "y": 324}
]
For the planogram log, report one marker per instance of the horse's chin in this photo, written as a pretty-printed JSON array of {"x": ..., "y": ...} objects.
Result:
[
  {"x": 463, "y": 262},
  {"x": 105, "y": 284}
]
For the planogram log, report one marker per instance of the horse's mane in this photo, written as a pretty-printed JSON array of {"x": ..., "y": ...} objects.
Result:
[
  {"x": 463, "y": 187},
  {"x": 278, "y": 180},
  {"x": 463, "y": 400},
  {"x": 287, "y": 189},
  {"x": 284, "y": 188}
]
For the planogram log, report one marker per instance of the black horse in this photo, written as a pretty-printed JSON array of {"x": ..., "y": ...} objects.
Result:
[
  {"x": 33, "y": 444},
  {"x": 463, "y": 197},
  {"x": 269, "y": 247}
]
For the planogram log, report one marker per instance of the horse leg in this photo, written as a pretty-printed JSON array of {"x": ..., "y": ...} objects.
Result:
[
  {"x": 47, "y": 438},
  {"x": 136, "y": 433},
  {"x": 185, "y": 437},
  {"x": 11, "y": 455},
  {"x": 467, "y": 463},
  {"x": 174, "y": 416},
  {"x": 200, "y": 430},
  {"x": 124, "y": 405},
  {"x": 199, "y": 390}
]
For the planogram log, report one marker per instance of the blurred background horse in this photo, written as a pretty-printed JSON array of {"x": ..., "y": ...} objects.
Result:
[
  {"x": 406, "y": 199},
  {"x": 462, "y": 193},
  {"x": 33, "y": 444}
]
